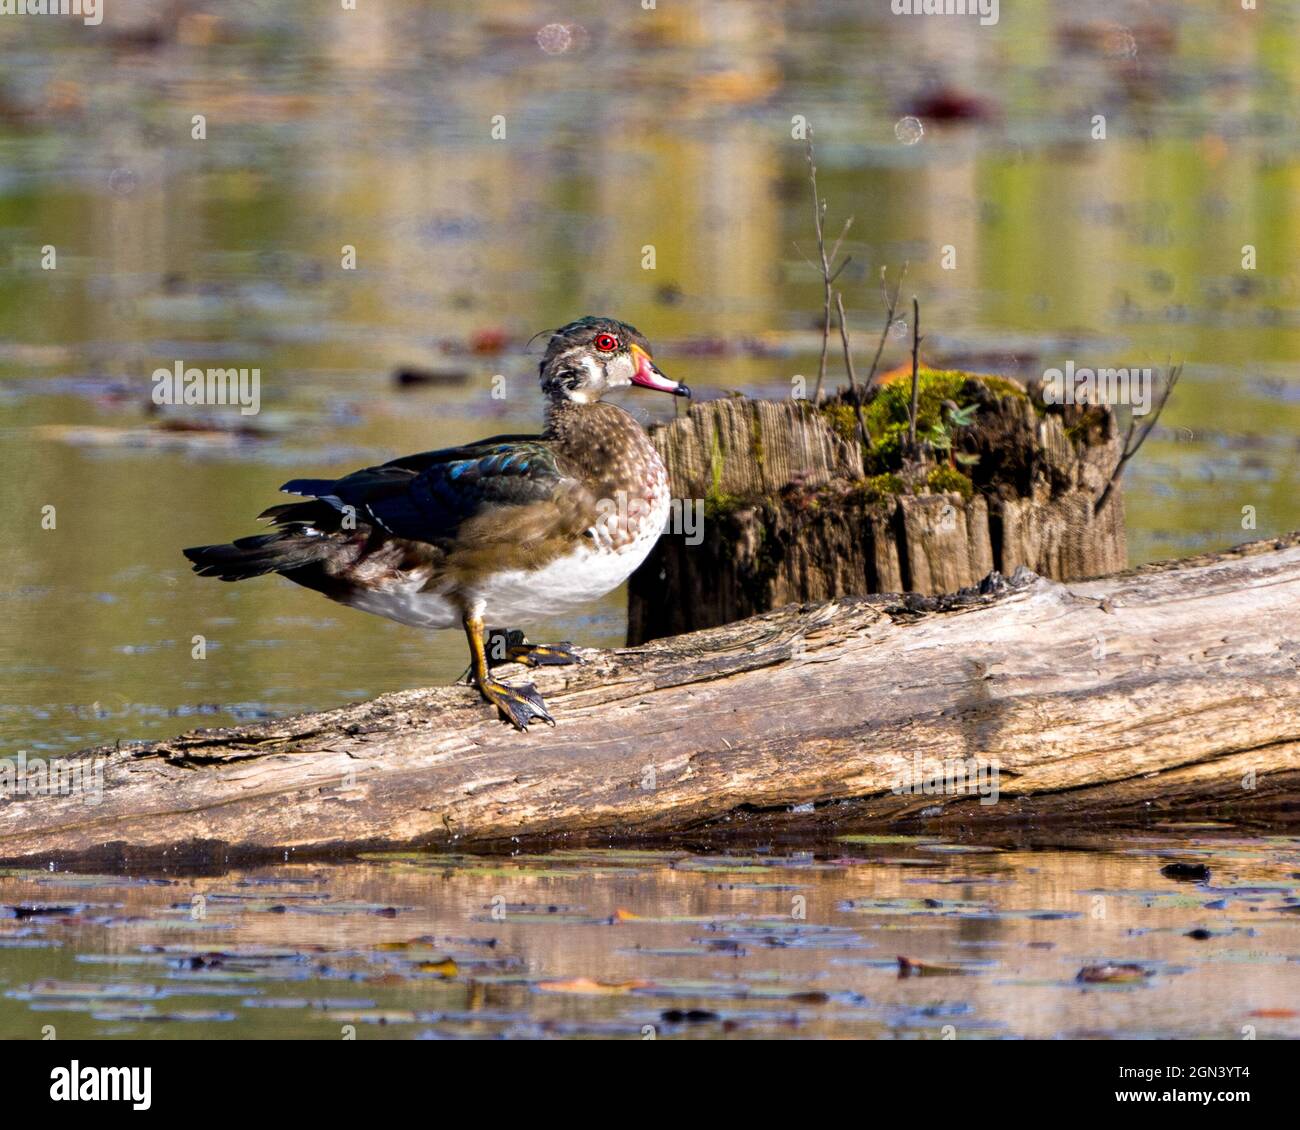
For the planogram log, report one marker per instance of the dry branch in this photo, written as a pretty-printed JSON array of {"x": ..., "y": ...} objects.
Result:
[
  {"x": 916, "y": 376},
  {"x": 891, "y": 306},
  {"x": 829, "y": 271},
  {"x": 1134, "y": 437},
  {"x": 864, "y": 436}
]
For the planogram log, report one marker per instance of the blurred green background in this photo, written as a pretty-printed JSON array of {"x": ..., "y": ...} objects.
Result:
[{"x": 623, "y": 128}]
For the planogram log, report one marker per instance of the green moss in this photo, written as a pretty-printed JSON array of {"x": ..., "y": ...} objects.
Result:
[
  {"x": 887, "y": 413},
  {"x": 999, "y": 386},
  {"x": 842, "y": 420},
  {"x": 716, "y": 503},
  {"x": 890, "y": 408},
  {"x": 878, "y": 488},
  {"x": 941, "y": 480},
  {"x": 886, "y": 419},
  {"x": 888, "y": 450}
]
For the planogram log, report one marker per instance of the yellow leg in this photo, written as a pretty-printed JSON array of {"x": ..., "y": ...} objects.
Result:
[
  {"x": 518, "y": 705},
  {"x": 478, "y": 663}
]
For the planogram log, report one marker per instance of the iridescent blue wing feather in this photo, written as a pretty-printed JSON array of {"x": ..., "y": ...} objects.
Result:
[{"x": 427, "y": 497}]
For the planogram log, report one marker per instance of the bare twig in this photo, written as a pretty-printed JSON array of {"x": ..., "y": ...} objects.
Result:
[
  {"x": 1135, "y": 437},
  {"x": 829, "y": 275},
  {"x": 891, "y": 305},
  {"x": 853, "y": 382},
  {"x": 916, "y": 374}
]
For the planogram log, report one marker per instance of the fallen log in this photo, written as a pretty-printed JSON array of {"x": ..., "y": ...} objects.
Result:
[{"x": 1171, "y": 689}]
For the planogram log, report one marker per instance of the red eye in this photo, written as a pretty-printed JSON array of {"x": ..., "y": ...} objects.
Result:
[{"x": 606, "y": 343}]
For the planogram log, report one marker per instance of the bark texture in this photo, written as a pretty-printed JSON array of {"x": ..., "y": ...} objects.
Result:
[
  {"x": 1170, "y": 689},
  {"x": 793, "y": 515}
]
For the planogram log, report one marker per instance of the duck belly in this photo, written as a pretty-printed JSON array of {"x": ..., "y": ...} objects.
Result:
[
  {"x": 509, "y": 599},
  {"x": 406, "y": 604},
  {"x": 602, "y": 560},
  {"x": 524, "y": 596},
  {"x": 597, "y": 566}
]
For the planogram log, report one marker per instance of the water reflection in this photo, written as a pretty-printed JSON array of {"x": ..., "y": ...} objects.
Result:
[
  {"x": 671, "y": 944},
  {"x": 373, "y": 130}
]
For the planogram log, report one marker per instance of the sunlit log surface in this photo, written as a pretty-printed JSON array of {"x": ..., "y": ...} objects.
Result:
[{"x": 1170, "y": 691}]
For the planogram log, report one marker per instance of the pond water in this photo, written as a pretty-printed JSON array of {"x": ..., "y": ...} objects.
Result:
[
  {"x": 676, "y": 944},
  {"x": 373, "y": 130}
]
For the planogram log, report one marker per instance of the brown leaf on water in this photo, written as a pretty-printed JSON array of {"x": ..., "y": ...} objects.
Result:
[
  {"x": 911, "y": 967},
  {"x": 1273, "y": 1013},
  {"x": 1113, "y": 974},
  {"x": 447, "y": 967},
  {"x": 587, "y": 985},
  {"x": 398, "y": 947}
]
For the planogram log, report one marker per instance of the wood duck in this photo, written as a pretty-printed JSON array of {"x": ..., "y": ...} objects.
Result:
[{"x": 500, "y": 532}]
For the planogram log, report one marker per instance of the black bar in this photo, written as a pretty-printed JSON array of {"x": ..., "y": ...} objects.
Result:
[{"x": 368, "y": 1076}]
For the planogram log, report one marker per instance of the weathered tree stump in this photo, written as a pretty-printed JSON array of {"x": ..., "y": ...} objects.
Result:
[{"x": 797, "y": 510}]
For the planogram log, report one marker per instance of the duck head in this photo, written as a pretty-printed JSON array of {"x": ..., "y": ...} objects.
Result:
[{"x": 588, "y": 357}]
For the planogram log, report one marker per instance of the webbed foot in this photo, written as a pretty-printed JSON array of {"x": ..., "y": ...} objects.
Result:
[
  {"x": 512, "y": 647},
  {"x": 518, "y": 705}
]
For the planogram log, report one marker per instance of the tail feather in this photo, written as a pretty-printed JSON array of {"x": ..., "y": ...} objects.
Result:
[
  {"x": 318, "y": 487},
  {"x": 256, "y": 556},
  {"x": 313, "y": 512}
]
